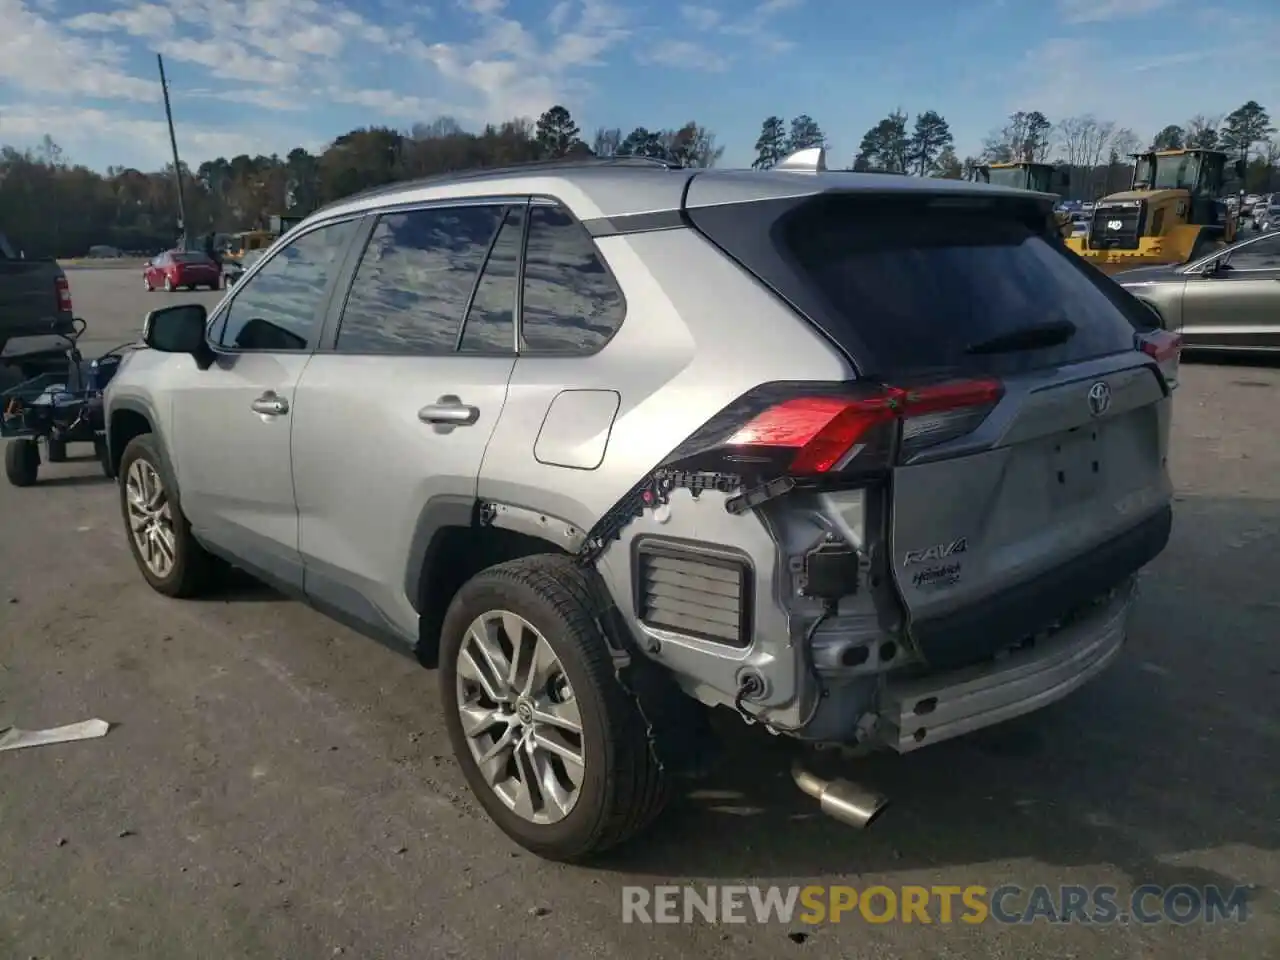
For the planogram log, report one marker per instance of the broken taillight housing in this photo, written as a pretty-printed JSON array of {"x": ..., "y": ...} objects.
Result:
[
  {"x": 838, "y": 430},
  {"x": 1165, "y": 349}
]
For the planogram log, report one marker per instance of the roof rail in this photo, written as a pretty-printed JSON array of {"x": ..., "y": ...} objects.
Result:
[
  {"x": 807, "y": 160},
  {"x": 470, "y": 173}
]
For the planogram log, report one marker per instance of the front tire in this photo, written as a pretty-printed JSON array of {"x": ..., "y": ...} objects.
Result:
[
  {"x": 22, "y": 462},
  {"x": 160, "y": 539},
  {"x": 168, "y": 285},
  {"x": 562, "y": 793},
  {"x": 57, "y": 450}
]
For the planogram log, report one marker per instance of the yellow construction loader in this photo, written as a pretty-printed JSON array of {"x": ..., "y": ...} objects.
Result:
[
  {"x": 1170, "y": 214},
  {"x": 1025, "y": 175}
]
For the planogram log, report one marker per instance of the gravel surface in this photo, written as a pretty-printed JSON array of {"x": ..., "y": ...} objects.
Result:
[{"x": 275, "y": 786}]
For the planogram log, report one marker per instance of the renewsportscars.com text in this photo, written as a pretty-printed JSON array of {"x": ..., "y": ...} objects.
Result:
[{"x": 1147, "y": 904}]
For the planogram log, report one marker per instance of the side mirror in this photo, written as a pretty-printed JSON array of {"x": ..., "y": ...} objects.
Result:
[{"x": 177, "y": 329}]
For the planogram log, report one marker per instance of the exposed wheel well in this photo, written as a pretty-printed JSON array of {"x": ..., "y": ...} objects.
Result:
[
  {"x": 124, "y": 426},
  {"x": 455, "y": 555}
]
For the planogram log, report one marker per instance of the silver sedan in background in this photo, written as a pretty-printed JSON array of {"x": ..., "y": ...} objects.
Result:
[{"x": 1229, "y": 300}]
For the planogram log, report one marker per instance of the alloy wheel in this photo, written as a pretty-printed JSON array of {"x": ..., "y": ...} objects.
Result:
[
  {"x": 520, "y": 717},
  {"x": 151, "y": 518}
]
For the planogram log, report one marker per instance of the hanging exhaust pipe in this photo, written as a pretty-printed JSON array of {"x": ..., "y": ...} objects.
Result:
[{"x": 841, "y": 799}]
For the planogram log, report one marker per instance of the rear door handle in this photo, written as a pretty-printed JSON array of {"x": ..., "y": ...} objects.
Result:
[
  {"x": 449, "y": 411},
  {"x": 271, "y": 405}
]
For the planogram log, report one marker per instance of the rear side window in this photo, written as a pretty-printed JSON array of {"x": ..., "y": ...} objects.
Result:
[
  {"x": 414, "y": 280},
  {"x": 490, "y": 324},
  {"x": 571, "y": 303},
  {"x": 907, "y": 287}
]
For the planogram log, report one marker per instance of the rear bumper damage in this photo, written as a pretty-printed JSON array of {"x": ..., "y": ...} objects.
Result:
[{"x": 928, "y": 710}]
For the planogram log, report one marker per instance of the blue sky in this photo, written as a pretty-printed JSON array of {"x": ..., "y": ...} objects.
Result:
[{"x": 263, "y": 76}]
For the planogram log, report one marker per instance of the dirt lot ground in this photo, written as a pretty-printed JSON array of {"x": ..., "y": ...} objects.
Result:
[{"x": 275, "y": 786}]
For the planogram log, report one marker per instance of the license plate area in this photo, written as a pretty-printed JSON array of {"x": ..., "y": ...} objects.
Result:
[{"x": 1077, "y": 466}]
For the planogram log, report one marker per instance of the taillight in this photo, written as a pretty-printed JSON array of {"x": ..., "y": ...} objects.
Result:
[
  {"x": 800, "y": 430},
  {"x": 63, "y": 290},
  {"x": 1165, "y": 349}
]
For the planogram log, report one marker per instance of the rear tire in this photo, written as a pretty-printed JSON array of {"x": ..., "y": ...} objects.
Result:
[
  {"x": 189, "y": 570},
  {"x": 57, "y": 450},
  {"x": 621, "y": 787},
  {"x": 22, "y": 462},
  {"x": 168, "y": 285}
]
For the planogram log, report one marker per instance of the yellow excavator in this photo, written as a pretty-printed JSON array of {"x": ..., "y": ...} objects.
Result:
[
  {"x": 1170, "y": 214},
  {"x": 1026, "y": 175}
]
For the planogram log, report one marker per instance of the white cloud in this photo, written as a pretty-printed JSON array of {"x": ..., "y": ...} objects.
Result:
[
  {"x": 1065, "y": 77},
  {"x": 700, "y": 18},
  {"x": 559, "y": 16},
  {"x": 1101, "y": 11},
  {"x": 687, "y": 55},
  {"x": 513, "y": 73},
  {"x": 39, "y": 57},
  {"x": 143, "y": 143}
]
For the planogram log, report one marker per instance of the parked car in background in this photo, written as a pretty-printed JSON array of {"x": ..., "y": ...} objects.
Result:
[
  {"x": 1260, "y": 210},
  {"x": 35, "y": 299},
  {"x": 1229, "y": 300},
  {"x": 1270, "y": 218},
  {"x": 176, "y": 269}
]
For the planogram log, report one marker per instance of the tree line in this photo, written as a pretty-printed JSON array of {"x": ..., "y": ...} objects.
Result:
[
  {"x": 52, "y": 207},
  {"x": 1095, "y": 152}
]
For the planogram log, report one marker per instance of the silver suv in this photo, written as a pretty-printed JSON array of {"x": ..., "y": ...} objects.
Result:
[{"x": 869, "y": 460}]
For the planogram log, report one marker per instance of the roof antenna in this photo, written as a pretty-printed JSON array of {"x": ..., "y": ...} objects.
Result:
[{"x": 808, "y": 160}]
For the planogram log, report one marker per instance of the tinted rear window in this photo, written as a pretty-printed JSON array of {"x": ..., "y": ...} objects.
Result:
[
  {"x": 917, "y": 288},
  {"x": 191, "y": 258}
]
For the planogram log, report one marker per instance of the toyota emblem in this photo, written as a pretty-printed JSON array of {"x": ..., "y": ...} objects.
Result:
[{"x": 1099, "y": 399}]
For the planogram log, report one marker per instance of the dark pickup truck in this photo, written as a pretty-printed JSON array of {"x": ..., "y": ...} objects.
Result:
[{"x": 35, "y": 299}]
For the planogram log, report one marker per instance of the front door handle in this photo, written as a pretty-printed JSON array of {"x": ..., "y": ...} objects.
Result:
[
  {"x": 270, "y": 405},
  {"x": 449, "y": 411}
]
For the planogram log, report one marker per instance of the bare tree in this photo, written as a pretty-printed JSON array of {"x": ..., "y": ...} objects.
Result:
[
  {"x": 1124, "y": 142},
  {"x": 1202, "y": 131},
  {"x": 1073, "y": 134}
]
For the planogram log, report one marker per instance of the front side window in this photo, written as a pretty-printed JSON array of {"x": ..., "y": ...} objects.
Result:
[
  {"x": 1262, "y": 254},
  {"x": 571, "y": 303},
  {"x": 414, "y": 281},
  {"x": 278, "y": 308}
]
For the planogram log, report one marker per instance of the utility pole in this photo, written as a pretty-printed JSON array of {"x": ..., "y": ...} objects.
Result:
[{"x": 173, "y": 142}]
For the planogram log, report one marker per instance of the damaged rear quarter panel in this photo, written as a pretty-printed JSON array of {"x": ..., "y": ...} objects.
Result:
[{"x": 698, "y": 333}]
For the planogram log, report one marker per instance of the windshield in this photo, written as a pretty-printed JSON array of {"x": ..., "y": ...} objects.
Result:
[
  {"x": 1009, "y": 177},
  {"x": 1180, "y": 172}
]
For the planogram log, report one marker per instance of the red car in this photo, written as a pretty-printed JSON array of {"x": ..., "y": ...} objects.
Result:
[{"x": 182, "y": 268}]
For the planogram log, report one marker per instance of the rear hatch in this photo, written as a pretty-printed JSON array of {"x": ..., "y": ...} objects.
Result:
[{"x": 1008, "y": 516}]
